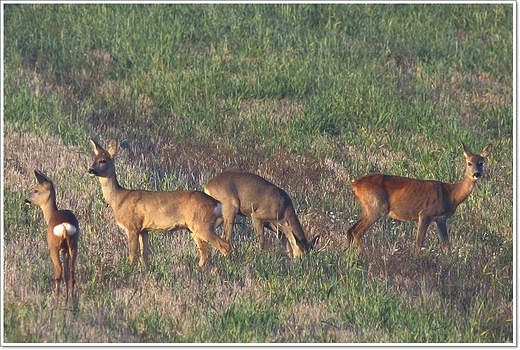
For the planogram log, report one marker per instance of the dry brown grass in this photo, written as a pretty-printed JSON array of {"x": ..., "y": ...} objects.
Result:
[{"x": 26, "y": 152}]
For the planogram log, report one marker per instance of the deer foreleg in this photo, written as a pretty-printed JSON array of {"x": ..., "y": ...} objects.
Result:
[
  {"x": 144, "y": 246},
  {"x": 443, "y": 231},
  {"x": 288, "y": 247},
  {"x": 259, "y": 231},
  {"x": 424, "y": 222},
  {"x": 132, "y": 244},
  {"x": 291, "y": 246}
]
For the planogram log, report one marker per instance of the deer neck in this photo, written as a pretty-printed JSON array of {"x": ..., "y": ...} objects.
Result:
[
  {"x": 462, "y": 189},
  {"x": 49, "y": 208},
  {"x": 295, "y": 224},
  {"x": 111, "y": 189}
]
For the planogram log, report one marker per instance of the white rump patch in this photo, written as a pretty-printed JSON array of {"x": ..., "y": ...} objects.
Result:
[{"x": 64, "y": 229}]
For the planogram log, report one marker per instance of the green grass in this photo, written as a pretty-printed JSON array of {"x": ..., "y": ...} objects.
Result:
[{"x": 309, "y": 96}]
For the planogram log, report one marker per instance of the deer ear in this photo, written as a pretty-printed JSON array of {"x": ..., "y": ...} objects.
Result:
[
  {"x": 42, "y": 179},
  {"x": 486, "y": 151},
  {"x": 467, "y": 151},
  {"x": 112, "y": 147},
  {"x": 96, "y": 147}
]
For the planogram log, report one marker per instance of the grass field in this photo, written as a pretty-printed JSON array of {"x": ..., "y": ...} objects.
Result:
[{"x": 308, "y": 96}]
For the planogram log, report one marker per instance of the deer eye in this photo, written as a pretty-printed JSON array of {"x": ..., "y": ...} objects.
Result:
[
  {"x": 470, "y": 164},
  {"x": 103, "y": 161}
]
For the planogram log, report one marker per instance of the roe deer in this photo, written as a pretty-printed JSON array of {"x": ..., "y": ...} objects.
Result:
[
  {"x": 62, "y": 232},
  {"x": 138, "y": 211},
  {"x": 269, "y": 206},
  {"x": 408, "y": 199}
]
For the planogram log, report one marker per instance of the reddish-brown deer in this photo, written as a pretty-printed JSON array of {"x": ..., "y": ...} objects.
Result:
[
  {"x": 408, "y": 199},
  {"x": 140, "y": 211},
  {"x": 269, "y": 206},
  {"x": 62, "y": 232}
]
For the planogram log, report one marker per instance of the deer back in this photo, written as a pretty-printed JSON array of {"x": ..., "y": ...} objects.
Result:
[
  {"x": 164, "y": 211},
  {"x": 249, "y": 193}
]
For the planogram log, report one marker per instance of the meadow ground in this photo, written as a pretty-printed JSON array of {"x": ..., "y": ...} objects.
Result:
[{"x": 308, "y": 96}]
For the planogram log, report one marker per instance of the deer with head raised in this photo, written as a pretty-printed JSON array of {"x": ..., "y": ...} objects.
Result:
[
  {"x": 408, "y": 199},
  {"x": 62, "y": 232},
  {"x": 140, "y": 211},
  {"x": 269, "y": 206}
]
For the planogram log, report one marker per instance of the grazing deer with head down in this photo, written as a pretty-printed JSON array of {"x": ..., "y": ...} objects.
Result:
[
  {"x": 140, "y": 211},
  {"x": 62, "y": 232},
  {"x": 269, "y": 206},
  {"x": 407, "y": 199}
]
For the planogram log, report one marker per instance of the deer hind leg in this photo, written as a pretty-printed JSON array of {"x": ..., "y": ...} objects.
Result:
[
  {"x": 57, "y": 270},
  {"x": 355, "y": 233},
  {"x": 207, "y": 235},
  {"x": 203, "y": 249},
  {"x": 66, "y": 271},
  {"x": 424, "y": 222},
  {"x": 374, "y": 206},
  {"x": 145, "y": 247},
  {"x": 73, "y": 252},
  {"x": 218, "y": 222},
  {"x": 443, "y": 231}
]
